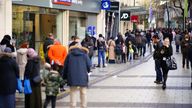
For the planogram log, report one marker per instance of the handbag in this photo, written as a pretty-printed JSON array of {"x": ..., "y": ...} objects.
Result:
[
  {"x": 37, "y": 79},
  {"x": 19, "y": 85},
  {"x": 27, "y": 86},
  {"x": 171, "y": 63}
]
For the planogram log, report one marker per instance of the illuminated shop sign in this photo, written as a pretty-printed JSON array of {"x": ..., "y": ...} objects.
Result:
[{"x": 63, "y": 2}]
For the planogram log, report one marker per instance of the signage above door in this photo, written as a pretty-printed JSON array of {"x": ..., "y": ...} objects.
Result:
[{"x": 63, "y": 2}]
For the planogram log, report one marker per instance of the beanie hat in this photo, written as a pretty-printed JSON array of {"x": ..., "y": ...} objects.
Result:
[
  {"x": 7, "y": 50},
  {"x": 31, "y": 53}
]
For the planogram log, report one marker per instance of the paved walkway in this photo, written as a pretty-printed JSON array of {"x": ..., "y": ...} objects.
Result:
[{"x": 131, "y": 86}]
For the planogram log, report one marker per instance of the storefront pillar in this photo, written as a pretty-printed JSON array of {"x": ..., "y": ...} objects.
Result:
[
  {"x": 65, "y": 36},
  {"x": 5, "y": 17},
  {"x": 101, "y": 23}
]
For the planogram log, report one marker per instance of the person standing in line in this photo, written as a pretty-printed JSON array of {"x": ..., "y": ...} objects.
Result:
[
  {"x": 22, "y": 58},
  {"x": 111, "y": 50},
  {"x": 77, "y": 78},
  {"x": 101, "y": 46},
  {"x": 124, "y": 53},
  {"x": 52, "y": 82},
  {"x": 166, "y": 51},
  {"x": 157, "y": 44},
  {"x": 131, "y": 51},
  {"x": 49, "y": 40},
  {"x": 8, "y": 79},
  {"x": 32, "y": 70}
]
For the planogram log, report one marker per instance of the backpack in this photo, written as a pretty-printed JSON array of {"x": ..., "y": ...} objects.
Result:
[{"x": 118, "y": 49}]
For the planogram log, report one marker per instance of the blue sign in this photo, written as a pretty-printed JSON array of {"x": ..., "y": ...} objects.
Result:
[
  {"x": 105, "y": 5},
  {"x": 91, "y": 30}
]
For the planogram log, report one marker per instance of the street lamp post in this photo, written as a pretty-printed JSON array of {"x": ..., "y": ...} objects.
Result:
[{"x": 167, "y": 14}]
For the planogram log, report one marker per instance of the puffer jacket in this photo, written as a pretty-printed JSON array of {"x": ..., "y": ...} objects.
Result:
[
  {"x": 22, "y": 56},
  {"x": 53, "y": 82}
]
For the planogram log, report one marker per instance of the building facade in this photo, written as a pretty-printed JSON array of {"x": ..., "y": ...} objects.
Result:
[{"x": 33, "y": 20}]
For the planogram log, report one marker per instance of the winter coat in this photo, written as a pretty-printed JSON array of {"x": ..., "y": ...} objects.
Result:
[
  {"x": 53, "y": 82},
  {"x": 9, "y": 75},
  {"x": 76, "y": 67},
  {"x": 166, "y": 52},
  {"x": 185, "y": 47},
  {"x": 57, "y": 53},
  {"x": 89, "y": 45},
  {"x": 111, "y": 44},
  {"x": 32, "y": 69},
  {"x": 22, "y": 59},
  {"x": 177, "y": 39},
  {"x": 157, "y": 46},
  {"x": 101, "y": 44}
]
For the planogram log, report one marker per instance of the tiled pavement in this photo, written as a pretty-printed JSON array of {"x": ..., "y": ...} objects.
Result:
[{"x": 119, "y": 87}]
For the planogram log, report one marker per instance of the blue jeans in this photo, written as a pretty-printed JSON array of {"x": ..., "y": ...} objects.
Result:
[
  {"x": 158, "y": 70},
  {"x": 101, "y": 55},
  {"x": 7, "y": 101}
]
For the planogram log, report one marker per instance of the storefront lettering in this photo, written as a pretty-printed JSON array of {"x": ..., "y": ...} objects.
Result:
[
  {"x": 77, "y": 2},
  {"x": 63, "y": 2}
]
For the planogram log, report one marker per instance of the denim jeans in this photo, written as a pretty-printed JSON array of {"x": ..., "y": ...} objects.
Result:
[
  {"x": 101, "y": 55},
  {"x": 7, "y": 101},
  {"x": 158, "y": 70}
]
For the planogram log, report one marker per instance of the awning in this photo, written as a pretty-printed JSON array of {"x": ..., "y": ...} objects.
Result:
[{"x": 135, "y": 10}]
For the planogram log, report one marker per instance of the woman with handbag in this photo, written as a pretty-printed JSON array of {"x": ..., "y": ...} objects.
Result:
[
  {"x": 166, "y": 51},
  {"x": 32, "y": 72}
]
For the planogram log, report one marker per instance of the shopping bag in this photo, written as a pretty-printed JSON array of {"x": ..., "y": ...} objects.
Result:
[
  {"x": 27, "y": 86},
  {"x": 19, "y": 86}
]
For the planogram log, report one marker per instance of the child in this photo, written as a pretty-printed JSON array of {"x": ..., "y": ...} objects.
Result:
[
  {"x": 52, "y": 82},
  {"x": 131, "y": 51},
  {"x": 124, "y": 52}
]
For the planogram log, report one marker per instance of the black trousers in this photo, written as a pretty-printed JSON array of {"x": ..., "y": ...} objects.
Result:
[
  {"x": 48, "y": 99},
  {"x": 165, "y": 71}
]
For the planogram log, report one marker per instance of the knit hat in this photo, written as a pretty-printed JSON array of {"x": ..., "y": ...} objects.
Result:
[
  {"x": 31, "y": 53},
  {"x": 7, "y": 50}
]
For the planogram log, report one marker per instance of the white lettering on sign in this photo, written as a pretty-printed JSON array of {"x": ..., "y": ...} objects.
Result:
[
  {"x": 77, "y": 2},
  {"x": 125, "y": 16}
]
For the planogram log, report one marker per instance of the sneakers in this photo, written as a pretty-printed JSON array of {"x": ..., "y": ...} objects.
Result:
[{"x": 158, "y": 82}]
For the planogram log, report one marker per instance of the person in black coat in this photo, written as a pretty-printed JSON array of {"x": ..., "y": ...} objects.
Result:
[
  {"x": 166, "y": 51},
  {"x": 48, "y": 41},
  {"x": 77, "y": 78},
  {"x": 32, "y": 70},
  {"x": 8, "y": 79}
]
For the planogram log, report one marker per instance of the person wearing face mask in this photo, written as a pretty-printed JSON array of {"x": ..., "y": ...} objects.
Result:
[
  {"x": 184, "y": 51},
  {"x": 166, "y": 51}
]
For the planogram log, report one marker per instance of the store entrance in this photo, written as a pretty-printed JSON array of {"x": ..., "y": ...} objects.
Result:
[{"x": 47, "y": 24}]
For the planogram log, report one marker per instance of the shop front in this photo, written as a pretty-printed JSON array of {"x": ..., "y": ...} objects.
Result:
[{"x": 33, "y": 21}]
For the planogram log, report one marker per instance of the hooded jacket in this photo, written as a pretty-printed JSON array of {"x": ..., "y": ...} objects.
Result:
[
  {"x": 78, "y": 58},
  {"x": 9, "y": 74},
  {"x": 22, "y": 56}
]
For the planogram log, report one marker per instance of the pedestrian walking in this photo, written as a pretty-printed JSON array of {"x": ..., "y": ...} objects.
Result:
[
  {"x": 124, "y": 53},
  {"x": 32, "y": 70},
  {"x": 166, "y": 51},
  {"x": 77, "y": 78},
  {"x": 184, "y": 49},
  {"x": 52, "y": 83},
  {"x": 157, "y": 44},
  {"x": 8, "y": 79}
]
